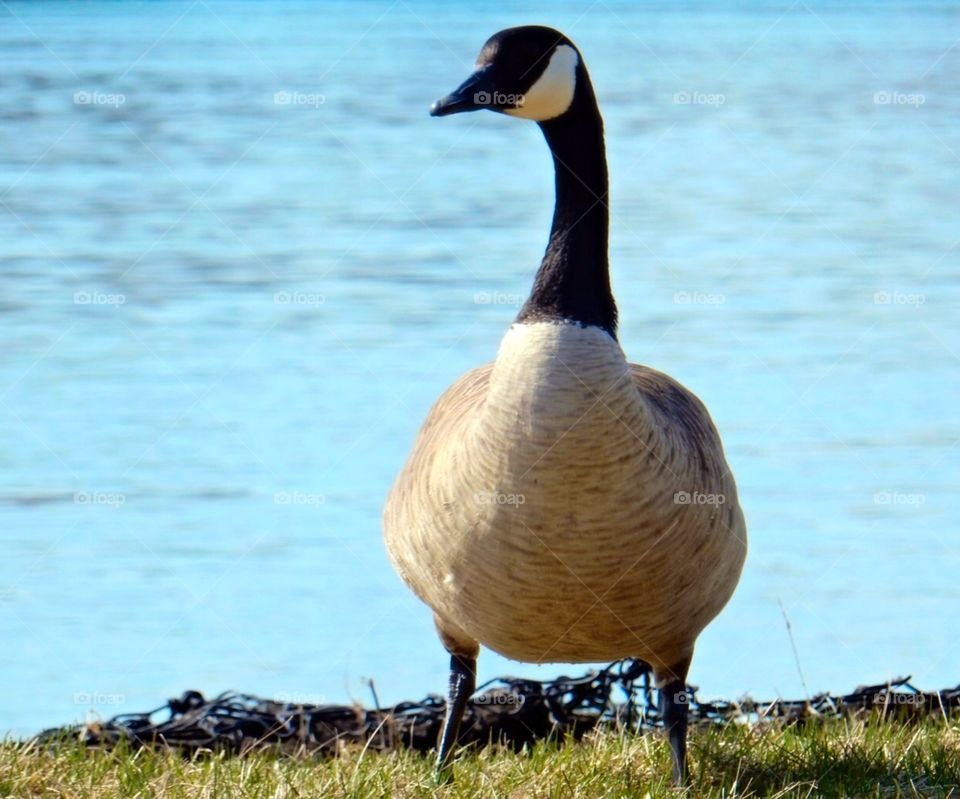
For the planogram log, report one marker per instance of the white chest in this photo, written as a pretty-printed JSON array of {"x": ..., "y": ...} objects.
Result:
[{"x": 552, "y": 381}]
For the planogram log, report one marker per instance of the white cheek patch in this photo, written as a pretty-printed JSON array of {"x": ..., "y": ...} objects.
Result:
[{"x": 553, "y": 92}]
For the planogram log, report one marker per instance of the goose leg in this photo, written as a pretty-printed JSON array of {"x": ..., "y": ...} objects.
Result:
[
  {"x": 463, "y": 680},
  {"x": 673, "y": 710}
]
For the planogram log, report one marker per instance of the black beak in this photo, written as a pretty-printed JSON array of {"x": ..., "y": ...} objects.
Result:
[{"x": 475, "y": 93}]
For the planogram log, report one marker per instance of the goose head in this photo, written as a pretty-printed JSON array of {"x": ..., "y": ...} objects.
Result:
[
  {"x": 537, "y": 73},
  {"x": 531, "y": 72}
]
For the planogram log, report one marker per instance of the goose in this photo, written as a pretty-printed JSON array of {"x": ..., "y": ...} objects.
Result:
[{"x": 562, "y": 504}]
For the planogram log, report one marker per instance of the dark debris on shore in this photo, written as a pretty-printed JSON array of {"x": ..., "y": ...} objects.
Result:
[{"x": 512, "y": 711}]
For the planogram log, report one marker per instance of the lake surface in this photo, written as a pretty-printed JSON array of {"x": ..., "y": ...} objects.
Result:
[{"x": 239, "y": 261}]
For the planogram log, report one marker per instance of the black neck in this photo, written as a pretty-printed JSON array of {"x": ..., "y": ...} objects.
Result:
[{"x": 573, "y": 282}]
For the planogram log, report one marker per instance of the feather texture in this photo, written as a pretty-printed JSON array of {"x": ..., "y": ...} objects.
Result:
[{"x": 564, "y": 505}]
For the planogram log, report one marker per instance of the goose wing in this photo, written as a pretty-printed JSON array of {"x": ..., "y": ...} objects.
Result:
[
  {"x": 452, "y": 410},
  {"x": 444, "y": 424},
  {"x": 683, "y": 421}
]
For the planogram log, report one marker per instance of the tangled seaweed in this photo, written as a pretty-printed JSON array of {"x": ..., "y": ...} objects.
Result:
[{"x": 510, "y": 711}]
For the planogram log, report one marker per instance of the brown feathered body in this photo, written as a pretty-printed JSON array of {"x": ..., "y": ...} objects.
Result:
[{"x": 563, "y": 505}]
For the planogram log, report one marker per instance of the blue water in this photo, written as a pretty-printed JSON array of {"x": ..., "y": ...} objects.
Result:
[{"x": 224, "y": 317}]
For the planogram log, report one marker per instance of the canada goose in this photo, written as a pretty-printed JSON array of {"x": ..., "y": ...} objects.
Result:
[{"x": 562, "y": 504}]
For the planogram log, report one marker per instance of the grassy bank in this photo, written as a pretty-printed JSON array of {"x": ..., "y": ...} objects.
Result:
[{"x": 835, "y": 759}]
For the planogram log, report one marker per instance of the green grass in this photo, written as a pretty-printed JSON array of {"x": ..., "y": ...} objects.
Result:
[{"x": 835, "y": 759}]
